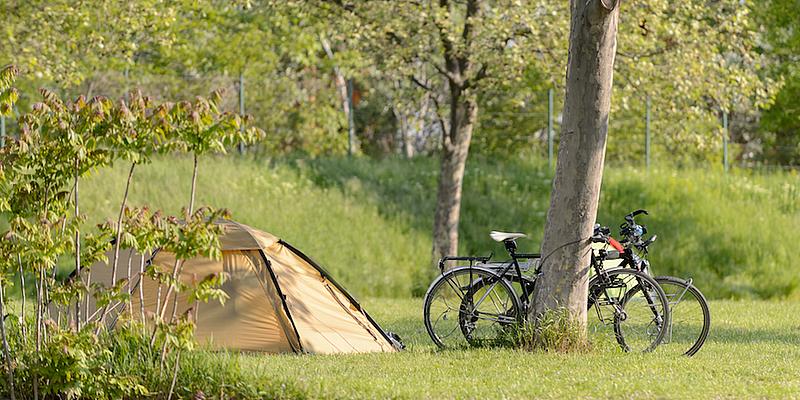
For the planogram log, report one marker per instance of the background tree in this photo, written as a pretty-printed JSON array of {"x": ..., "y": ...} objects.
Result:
[
  {"x": 454, "y": 51},
  {"x": 780, "y": 123}
]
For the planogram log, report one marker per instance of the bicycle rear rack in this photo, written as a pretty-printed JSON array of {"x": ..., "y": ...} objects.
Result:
[{"x": 471, "y": 259}]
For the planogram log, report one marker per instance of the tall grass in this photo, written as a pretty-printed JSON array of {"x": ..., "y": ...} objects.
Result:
[{"x": 369, "y": 221}]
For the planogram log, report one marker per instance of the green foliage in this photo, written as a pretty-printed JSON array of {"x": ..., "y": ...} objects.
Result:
[
  {"x": 693, "y": 61},
  {"x": 77, "y": 365},
  {"x": 8, "y": 94},
  {"x": 780, "y": 123},
  {"x": 61, "y": 40},
  {"x": 60, "y": 142}
]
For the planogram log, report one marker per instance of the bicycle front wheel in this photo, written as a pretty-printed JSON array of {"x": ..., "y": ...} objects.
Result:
[
  {"x": 632, "y": 305},
  {"x": 690, "y": 317},
  {"x": 470, "y": 306}
]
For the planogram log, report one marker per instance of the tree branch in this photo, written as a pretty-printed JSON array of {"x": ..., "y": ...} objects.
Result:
[
  {"x": 420, "y": 84},
  {"x": 466, "y": 34},
  {"x": 451, "y": 60}
]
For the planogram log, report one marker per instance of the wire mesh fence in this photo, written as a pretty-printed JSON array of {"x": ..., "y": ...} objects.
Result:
[{"x": 312, "y": 114}]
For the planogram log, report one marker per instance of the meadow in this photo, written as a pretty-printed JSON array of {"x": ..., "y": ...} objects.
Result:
[
  {"x": 753, "y": 351},
  {"x": 369, "y": 221}
]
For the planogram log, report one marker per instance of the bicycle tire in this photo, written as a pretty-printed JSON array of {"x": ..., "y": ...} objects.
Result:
[
  {"x": 623, "y": 320},
  {"x": 678, "y": 313},
  {"x": 460, "y": 282}
]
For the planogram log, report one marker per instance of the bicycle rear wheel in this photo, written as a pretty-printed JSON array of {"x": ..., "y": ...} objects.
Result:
[
  {"x": 632, "y": 305},
  {"x": 690, "y": 316},
  {"x": 470, "y": 306}
]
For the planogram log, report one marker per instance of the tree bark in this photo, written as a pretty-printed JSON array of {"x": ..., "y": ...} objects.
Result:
[
  {"x": 579, "y": 169},
  {"x": 455, "y": 148}
]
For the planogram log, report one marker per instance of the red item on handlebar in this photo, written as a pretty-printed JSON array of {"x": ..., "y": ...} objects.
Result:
[{"x": 615, "y": 244}]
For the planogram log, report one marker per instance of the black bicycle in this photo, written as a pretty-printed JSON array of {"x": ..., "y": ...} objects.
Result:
[
  {"x": 484, "y": 303},
  {"x": 690, "y": 320}
]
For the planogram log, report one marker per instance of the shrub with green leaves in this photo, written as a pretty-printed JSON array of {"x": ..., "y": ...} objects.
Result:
[{"x": 56, "y": 347}]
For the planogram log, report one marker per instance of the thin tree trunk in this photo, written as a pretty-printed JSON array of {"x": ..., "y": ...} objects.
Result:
[
  {"x": 77, "y": 250},
  {"x": 141, "y": 287},
  {"x": 174, "y": 374},
  {"x": 6, "y": 348},
  {"x": 130, "y": 283},
  {"x": 22, "y": 325},
  {"x": 38, "y": 310},
  {"x": 158, "y": 298},
  {"x": 118, "y": 236},
  {"x": 579, "y": 170},
  {"x": 157, "y": 315},
  {"x": 194, "y": 185},
  {"x": 117, "y": 242},
  {"x": 177, "y": 267},
  {"x": 38, "y": 328},
  {"x": 179, "y": 263},
  {"x": 455, "y": 149}
]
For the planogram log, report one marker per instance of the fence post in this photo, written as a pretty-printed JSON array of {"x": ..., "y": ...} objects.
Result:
[
  {"x": 550, "y": 127},
  {"x": 241, "y": 107},
  {"x": 351, "y": 128},
  {"x": 647, "y": 133},
  {"x": 2, "y": 131},
  {"x": 725, "y": 140}
]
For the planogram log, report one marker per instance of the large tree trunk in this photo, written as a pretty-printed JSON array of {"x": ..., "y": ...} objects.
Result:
[
  {"x": 579, "y": 171},
  {"x": 463, "y": 113}
]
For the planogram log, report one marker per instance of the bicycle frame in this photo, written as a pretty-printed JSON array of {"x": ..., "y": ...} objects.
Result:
[
  {"x": 626, "y": 256},
  {"x": 511, "y": 248}
]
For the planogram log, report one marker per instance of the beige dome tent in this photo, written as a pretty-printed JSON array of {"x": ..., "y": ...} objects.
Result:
[{"x": 280, "y": 301}]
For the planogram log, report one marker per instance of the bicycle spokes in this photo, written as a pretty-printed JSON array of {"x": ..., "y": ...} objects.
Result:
[
  {"x": 470, "y": 307},
  {"x": 631, "y": 305}
]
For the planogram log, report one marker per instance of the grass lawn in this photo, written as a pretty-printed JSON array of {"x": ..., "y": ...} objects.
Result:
[{"x": 753, "y": 351}]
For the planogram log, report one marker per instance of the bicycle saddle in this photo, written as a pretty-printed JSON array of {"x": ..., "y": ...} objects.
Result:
[{"x": 503, "y": 236}]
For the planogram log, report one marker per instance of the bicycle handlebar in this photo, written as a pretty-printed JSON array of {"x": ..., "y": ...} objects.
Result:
[
  {"x": 633, "y": 214},
  {"x": 599, "y": 238}
]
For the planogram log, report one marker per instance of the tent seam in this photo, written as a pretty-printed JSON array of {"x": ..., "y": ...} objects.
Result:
[{"x": 283, "y": 301}]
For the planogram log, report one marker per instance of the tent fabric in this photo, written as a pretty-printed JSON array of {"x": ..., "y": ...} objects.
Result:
[
  {"x": 238, "y": 236},
  {"x": 329, "y": 322},
  {"x": 279, "y": 301}
]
